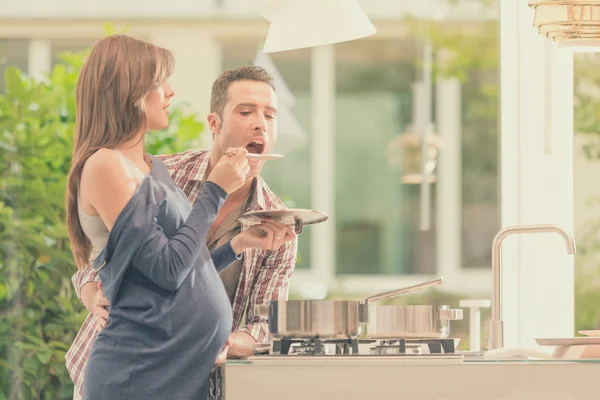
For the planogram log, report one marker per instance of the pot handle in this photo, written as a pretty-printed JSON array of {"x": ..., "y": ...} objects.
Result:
[
  {"x": 451, "y": 315},
  {"x": 298, "y": 226},
  {"x": 398, "y": 292},
  {"x": 364, "y": 309},
  {"x": 262, "y": 310}
]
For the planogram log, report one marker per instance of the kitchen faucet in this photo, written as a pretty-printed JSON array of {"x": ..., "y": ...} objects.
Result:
[{"x": 496, "y": 326}]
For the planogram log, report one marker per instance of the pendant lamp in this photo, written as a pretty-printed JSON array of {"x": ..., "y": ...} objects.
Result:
[
  {"x": 571, "y": 24},
  {"x": 297, "y": 24}
]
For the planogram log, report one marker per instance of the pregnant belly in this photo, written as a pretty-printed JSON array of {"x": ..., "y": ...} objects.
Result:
[{"x": 199, "y": 308}]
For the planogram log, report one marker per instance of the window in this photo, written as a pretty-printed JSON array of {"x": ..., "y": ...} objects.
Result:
[
  {"x": 13, "y": 52},
  {"x": 377, "y": 214},
  {"x": 59, "y": 46},
  {"x": 377, "y": 207}
]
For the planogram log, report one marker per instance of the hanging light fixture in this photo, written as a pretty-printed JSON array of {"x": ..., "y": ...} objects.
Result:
[
  {"x": 297, "y": 24},
  {"x": 406, "y": 156},
  {"x": 569, "y": 23}
]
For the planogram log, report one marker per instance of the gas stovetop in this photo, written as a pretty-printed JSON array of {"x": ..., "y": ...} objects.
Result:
[
  {"x": 413, "y": 348},
  {"x": 365, "y": 352}
]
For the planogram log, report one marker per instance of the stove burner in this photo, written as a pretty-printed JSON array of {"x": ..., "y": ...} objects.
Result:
[
  {"x": 315, "y": 346},
  {"x": 385, "y": 350},
  {"x": 414, "y": 346},
  {"x": 307, "y": 348}
]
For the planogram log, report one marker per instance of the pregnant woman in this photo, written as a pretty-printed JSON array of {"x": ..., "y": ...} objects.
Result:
[{"x": 170, "y": 315}]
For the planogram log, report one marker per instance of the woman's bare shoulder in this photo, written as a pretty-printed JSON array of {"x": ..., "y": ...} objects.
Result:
[
  {"x": 107, "y": 184},
  {"x": 103, "y": 160}
]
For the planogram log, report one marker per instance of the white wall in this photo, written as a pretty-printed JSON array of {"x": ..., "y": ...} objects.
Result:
[{"x": 536, "y": 188}]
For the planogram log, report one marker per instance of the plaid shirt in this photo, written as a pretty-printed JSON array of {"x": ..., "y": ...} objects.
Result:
[{"x": 265, "y": 274}]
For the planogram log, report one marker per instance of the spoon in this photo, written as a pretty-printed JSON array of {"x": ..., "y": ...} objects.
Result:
[{"x": 254, "y": 156}]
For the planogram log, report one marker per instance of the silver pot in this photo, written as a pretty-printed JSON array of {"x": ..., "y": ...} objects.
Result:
[
  {"x": 411, "y": 322},
  {"x": 341, "y": 319},
  {"x": 299, "y": 319}
]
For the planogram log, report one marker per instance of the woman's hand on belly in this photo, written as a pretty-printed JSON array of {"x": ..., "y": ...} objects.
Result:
[
  {"x": 222, "y": 357},
  {"x": 100, "y": 311},
  {"x": 241, "y": 345}
]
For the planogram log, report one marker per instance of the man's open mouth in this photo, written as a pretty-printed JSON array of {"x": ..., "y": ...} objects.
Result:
[{"x": 256, "y": 145}]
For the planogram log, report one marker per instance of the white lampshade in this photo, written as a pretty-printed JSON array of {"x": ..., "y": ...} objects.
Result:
[{"x": 297, "y": 24}]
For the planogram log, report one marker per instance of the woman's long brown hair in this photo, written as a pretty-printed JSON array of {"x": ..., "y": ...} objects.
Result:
[{"x": 119, "y": 72}]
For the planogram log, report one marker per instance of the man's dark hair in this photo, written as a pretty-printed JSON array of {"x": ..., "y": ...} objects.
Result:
[{"x": 250, "y": 72}]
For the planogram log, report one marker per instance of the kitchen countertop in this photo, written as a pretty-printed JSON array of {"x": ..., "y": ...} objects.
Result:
[{"x": 411, "y": 379}]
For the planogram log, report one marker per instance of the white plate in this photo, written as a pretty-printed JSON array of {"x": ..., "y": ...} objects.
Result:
[
  {"x": 567, "y": 341},
  {"x": 296, "y": 217},
  {"x": 590, "y": 333},
  {"x": 262, "y": 157}
]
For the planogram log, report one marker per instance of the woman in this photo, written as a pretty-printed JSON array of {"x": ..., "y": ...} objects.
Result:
[{"x": 169, "y": 316}]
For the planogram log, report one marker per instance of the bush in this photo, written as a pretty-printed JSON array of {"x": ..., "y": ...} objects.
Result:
[{"x": 39, "y": 311}]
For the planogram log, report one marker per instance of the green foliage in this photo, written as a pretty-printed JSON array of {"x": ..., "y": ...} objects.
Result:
[
  {"x": 39, "y": 311},
  {"x": 587, "y": 101},
  {"x": 587, "y": 282},
  {"x": 587, "y": 122}
]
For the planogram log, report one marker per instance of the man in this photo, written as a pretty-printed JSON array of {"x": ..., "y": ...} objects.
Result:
[{"x": 243, "y": 114}]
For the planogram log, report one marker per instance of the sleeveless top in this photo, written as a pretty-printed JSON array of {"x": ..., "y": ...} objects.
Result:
[{"x": 92, "y": 225}]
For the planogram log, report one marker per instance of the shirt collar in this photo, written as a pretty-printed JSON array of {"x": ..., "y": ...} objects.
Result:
[{"x": 199, "y": 175}]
